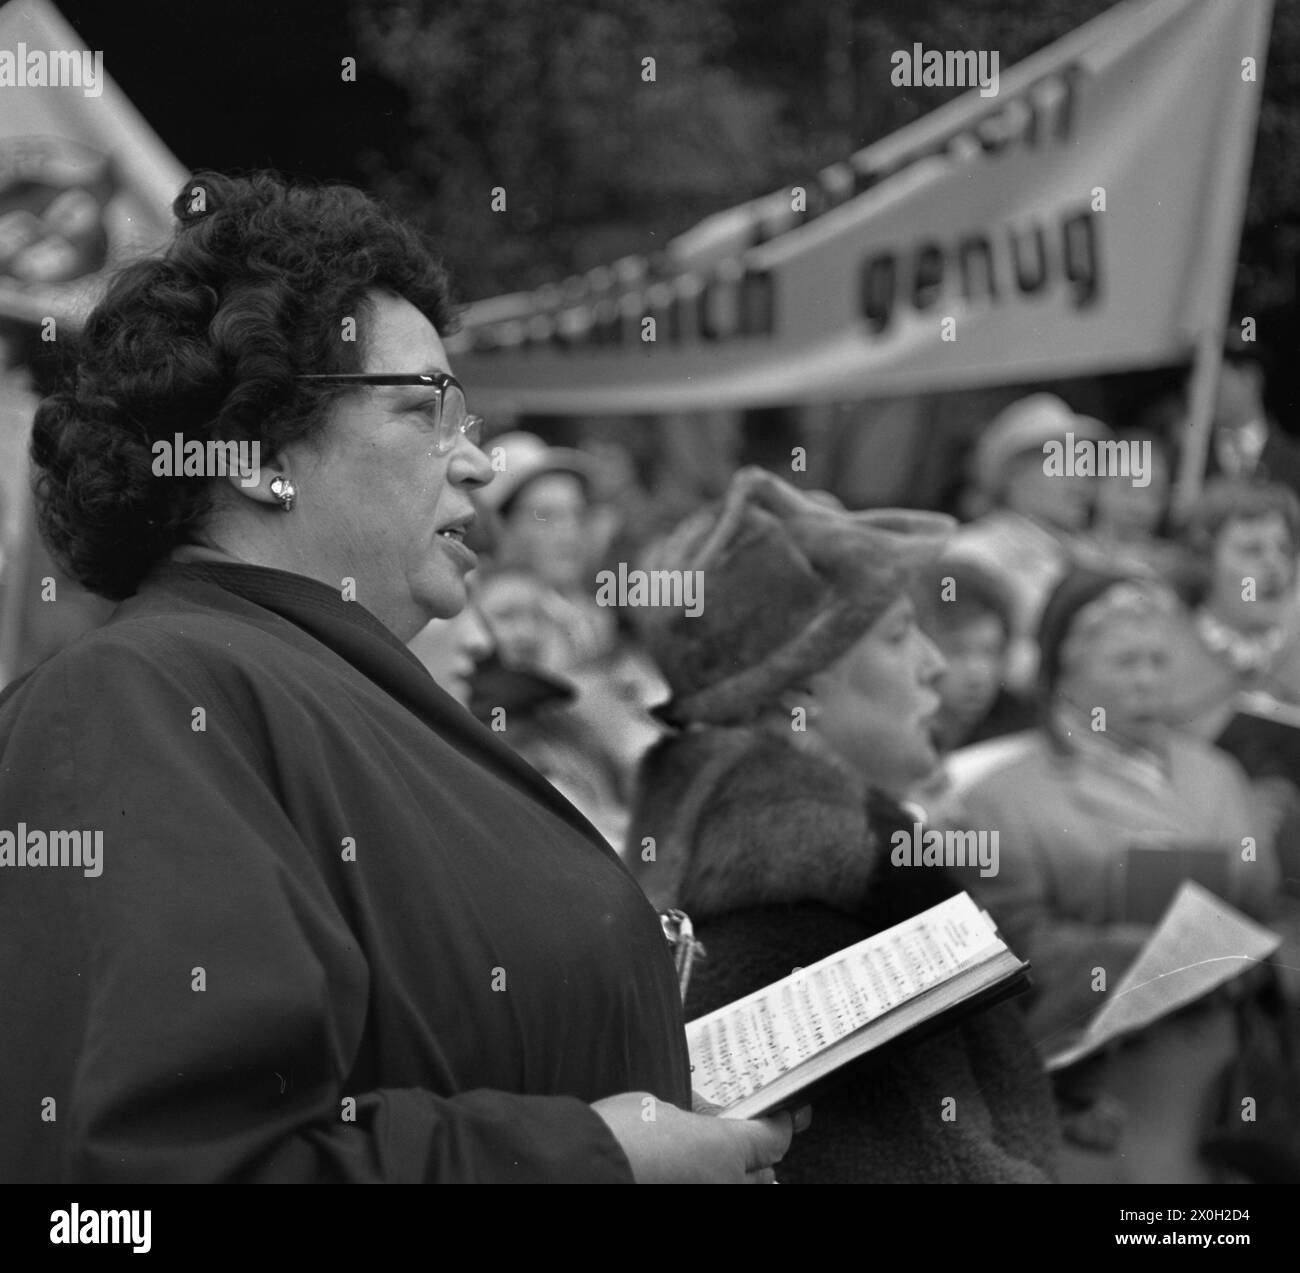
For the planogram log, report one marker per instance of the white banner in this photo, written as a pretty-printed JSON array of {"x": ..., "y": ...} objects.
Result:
[{"x": 1058, "y": 228}]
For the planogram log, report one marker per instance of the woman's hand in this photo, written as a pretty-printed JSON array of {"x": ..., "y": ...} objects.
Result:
[{"x": 666, "y": 1145}]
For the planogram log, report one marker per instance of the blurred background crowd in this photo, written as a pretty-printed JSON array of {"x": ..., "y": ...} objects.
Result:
[
  {"x": 1056, "y": 597},
  {"x": 537, "y": 644}
]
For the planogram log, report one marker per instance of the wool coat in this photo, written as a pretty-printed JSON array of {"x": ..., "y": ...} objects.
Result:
[
  {"x": 339, "y": 932},
  {"x": 778, "y": 866}
]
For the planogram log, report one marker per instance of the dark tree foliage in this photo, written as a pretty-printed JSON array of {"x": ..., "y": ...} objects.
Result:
[{"x": 548, "y": 102}]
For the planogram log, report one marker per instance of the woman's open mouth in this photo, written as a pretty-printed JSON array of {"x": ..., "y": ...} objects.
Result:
[{"x": 453, "y": 535}]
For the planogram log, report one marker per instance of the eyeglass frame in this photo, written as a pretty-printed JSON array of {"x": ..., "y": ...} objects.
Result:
[{"x": 439, "y": 380}]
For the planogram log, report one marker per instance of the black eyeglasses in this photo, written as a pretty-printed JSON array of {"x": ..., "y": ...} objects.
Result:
[{"x": 454, "y": 417}]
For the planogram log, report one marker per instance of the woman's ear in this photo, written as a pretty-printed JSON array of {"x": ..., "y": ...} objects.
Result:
[
  {"x": 264, "y": 485},
  {"x": 272, "y": 479},
  {"x": 802, "y": 701}
]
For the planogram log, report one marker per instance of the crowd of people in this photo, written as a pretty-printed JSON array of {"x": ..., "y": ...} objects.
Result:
[
  {"x": 1089, "y": 648},
  {"x": 390, "y": 796}
]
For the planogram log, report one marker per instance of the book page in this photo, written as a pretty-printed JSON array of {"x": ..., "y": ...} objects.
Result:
[
  {"x": 1200, "y": 944},
  {"x": 748, "y": 1044}
]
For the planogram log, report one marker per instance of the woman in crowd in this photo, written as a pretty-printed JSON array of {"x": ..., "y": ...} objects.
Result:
[
  {"x": 803, "y": 696},
  {"x": 1245, "y": 629},
  {"x": 1129, "y": 519},
  {"x": 1034, "y": 531},
  {"x": 535, "y": 715},
  {"x": 966, "y": 612},
  {"x": 587, "y": 743},
  {"x": 1105, "y": 772},
  {"x": 532, "y": 625},
  {"x": 452, "y": 650},
  {"x": 964, "y": 609},
  {"x": 333, "y": 929},
  {"x": 542, "y": 523},
  {"x": 1098, "y": 814}
]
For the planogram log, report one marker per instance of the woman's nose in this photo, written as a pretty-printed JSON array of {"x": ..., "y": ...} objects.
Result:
[
  {"x": 469, "y": 465},
  {"x": 1151, "y": 675},
  {"x": 933, "y": 664}
]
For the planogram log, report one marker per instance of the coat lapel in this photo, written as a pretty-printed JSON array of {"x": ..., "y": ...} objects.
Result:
[{"x": 352, "y": 633}]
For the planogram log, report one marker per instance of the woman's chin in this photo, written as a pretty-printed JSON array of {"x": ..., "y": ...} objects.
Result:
[
  {"x": 910, "y": 766},
  {"x": 444, "y": 597},
  {"x": 927, "y": 761}
]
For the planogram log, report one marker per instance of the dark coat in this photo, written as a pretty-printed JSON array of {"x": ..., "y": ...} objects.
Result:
[
  {"x": 778, "y": 867},
  {"x": 481, "y": 971}
]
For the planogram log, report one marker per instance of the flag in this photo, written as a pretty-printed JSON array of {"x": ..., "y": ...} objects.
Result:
[{"x": 1062, "y": 227}]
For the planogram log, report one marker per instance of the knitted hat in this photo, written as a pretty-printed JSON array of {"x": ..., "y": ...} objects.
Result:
[
  {"x": 1025, "y": 426},
  {"x": 789, "y": 583}
]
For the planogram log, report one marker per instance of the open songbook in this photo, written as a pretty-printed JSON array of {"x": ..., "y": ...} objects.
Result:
[
  {"x": 755, "y": 1054},
  {"x": 1200, "y": 944}
]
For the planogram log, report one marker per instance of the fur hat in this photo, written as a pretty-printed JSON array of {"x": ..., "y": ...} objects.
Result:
[{"x": 789, "y": 582}]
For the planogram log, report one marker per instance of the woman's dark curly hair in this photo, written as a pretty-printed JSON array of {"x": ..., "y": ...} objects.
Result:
[{"x": 205, "y": 340}]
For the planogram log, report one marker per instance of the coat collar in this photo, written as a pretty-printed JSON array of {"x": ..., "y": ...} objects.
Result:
[
  {"x": 742, "y": 818},
  {"x": 351, "y": 632}
]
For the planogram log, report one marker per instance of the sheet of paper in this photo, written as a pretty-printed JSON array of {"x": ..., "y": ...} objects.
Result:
[
  {"x": 746, "y": 1045},
  {"x": 1200, "y": 944}
]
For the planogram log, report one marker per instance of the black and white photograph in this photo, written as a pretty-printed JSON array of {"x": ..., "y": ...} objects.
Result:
[{"x": 649, "y": 592}]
